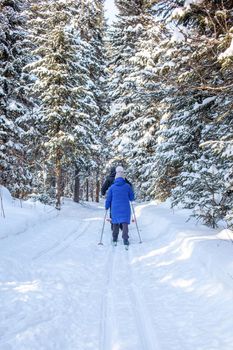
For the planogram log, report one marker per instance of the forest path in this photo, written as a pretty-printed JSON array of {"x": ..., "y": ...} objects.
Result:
[{"x": 60, "y": 290}]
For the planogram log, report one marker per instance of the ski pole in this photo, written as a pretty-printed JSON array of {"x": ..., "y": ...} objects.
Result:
[
  {"x": 101, "y": 237},
  {"x": 140, "y": 240}
]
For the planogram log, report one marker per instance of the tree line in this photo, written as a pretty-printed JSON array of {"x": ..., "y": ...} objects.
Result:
[
  {"x": 153, "y": 92},
  {"x": 171, "y": 93},
  {"x": 52, "y": 66}
]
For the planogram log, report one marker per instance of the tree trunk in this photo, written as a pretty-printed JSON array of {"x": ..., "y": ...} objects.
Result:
[
  {"x": 76, "y": 186},
  {"x": 58, "y": 179},
  {"x": 92, "y": 189},
  {"x": 97, "y": 192},
  {"x": 87, "y": 189},
  {"x": 63, "y": 182}
]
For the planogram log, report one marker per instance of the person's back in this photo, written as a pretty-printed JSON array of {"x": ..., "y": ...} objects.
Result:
[
  {"x": 118, "y": 199},
  {"x": 121, "y": 195}
]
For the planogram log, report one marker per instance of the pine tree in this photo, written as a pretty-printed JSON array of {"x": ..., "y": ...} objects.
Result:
[
  {"x": 150, "y": 92},
  {"x": 63, "y": 86},
  {"x": 201, "y": 183},
  {"x": 69, "y": 68},
  {"x": 126, "y": 109},
  {"x": 15, "y": 105},
  {"x": 92, "y": 23},
  {"x": 163, "y": 159}
]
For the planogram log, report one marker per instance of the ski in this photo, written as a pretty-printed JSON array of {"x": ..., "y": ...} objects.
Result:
[{"x": 126, "y": 247}]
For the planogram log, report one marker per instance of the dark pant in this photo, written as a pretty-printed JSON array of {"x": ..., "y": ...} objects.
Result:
[
  {"x": 125, "y": 231},
  {"x": 121, "y": 227}
]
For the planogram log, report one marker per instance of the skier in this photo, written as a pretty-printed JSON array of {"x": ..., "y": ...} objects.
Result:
[
  {"x": 109, "y": 181},
  {"x": 118, "y": 199}
]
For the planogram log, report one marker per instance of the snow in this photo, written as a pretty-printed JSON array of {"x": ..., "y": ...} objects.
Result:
[
  {"x": 177, "y": 36},
  {"x": 60, "y": 290},
  {"x": 5, "y": 195},
  {"x": 229, "y": 150},
  {"x": 180, "y": 11},
  {"x": 205, "y": 102},
  {"x": 13, "y": 106},
  {"x": 228, "y": 52},
  {"x": 20, "y": 215},
  {"x": 187, "y": 3},
  {"x": 111, "y": 10}
]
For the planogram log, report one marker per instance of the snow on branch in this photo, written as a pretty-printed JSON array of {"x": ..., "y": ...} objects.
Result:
[{"x": 227, "y": 53}]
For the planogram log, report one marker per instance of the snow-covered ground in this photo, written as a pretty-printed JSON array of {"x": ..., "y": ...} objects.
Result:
[{"x": 60, "y": 290}]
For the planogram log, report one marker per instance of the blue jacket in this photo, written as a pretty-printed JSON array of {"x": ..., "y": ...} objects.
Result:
[{"x": 118, "y": 198}]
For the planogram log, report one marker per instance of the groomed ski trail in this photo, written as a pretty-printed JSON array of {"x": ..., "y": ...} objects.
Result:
[
  {"x": 108, "y": 324},
  {"x": 122, "y": 303},
  {"x": 147, "y": 331},
  {"x": 60, "y": 290}
]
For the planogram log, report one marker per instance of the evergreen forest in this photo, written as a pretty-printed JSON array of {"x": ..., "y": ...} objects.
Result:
[{"x": 152, "y": 92}]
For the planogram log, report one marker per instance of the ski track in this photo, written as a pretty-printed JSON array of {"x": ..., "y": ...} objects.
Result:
[
  {"x": 145, "y": 328},
  {"x": 106, "y": 318},
  {"x": 45, "y": 313},
  {"x": 111, "y": 337},
  {"x": 63, "y": 244},
  {"x": 90, "y": 297},
  {"x": 138, "y": 316}
]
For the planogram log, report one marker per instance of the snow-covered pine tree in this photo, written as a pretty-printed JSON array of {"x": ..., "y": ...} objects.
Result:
[
  {"x": 15, "y": 104},
  {"x": 223, "y": 147},
  {"x": 151, "y": 91},
  {"x": 186, "y": 108},
  {"x": 170, "y": 145},
  {"x": 92, "y": 23},
  {"x": 63, "y": 86},
  {"x": 125, "y": 110},
  {"x": 202, "y": 183}
]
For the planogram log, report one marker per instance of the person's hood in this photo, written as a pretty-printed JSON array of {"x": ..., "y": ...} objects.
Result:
[
  {"x": 119, "y": 172},
  {"x": 119, "y": 181}
]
